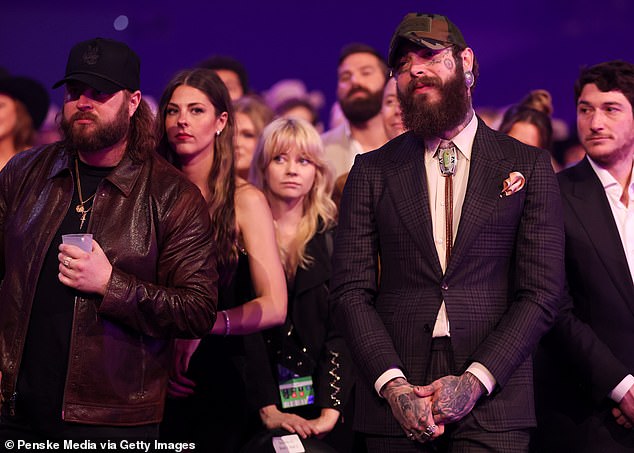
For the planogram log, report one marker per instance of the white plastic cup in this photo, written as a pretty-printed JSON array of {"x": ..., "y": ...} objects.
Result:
[{"x": 83, "y": 241}]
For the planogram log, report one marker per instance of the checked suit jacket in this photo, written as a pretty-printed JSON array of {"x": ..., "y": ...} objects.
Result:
[
  {"x": 501, "y": 287},
  {"x": 591, "y": 347}
]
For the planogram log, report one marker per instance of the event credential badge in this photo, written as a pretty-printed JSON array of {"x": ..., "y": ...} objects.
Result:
[{"x": 295, "y": 390}]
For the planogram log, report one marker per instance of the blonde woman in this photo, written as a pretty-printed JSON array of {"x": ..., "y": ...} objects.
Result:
[{"x": 305, "y": 354}]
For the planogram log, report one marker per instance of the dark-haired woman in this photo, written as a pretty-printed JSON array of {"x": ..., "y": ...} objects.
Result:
[{"x": 208, "y": 402}]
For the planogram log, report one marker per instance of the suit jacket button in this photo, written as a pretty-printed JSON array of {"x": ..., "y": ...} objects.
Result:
[
  {"x": 444, "y": 286},
  {"x": 427, "y": 328}
]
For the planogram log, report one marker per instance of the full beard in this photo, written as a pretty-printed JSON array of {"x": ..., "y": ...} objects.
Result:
[
  {"x": 360, "y": 110},
  {"x": 102, "y": 136},
  {"x": 428, "y": 120}
]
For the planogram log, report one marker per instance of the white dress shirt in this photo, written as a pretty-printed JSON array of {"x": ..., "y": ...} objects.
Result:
[{"x": 624, "y": 218}]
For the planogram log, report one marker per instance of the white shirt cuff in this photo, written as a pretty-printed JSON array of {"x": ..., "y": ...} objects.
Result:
[
  {"x": 483, "y": 375},
  {"x": 386, "y": 377},
  {"x": 620, "y": 390}
]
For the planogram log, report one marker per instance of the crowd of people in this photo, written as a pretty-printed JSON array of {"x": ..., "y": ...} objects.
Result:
[{"x": 409, "y": 280}]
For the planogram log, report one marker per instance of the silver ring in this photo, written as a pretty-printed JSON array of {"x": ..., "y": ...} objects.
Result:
[
  {"x": 430, "y": 430},
  {"x": 410, "y": 436},
  {"x": 67, "y": 262}
]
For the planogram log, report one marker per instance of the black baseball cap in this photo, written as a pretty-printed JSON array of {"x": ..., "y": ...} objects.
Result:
[
  {"x": 425, "y": 30},
  {"x": 103, "y": 64}
]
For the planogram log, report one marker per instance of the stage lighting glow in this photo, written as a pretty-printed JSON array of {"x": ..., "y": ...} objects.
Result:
[{"x": 121, "y": 23}]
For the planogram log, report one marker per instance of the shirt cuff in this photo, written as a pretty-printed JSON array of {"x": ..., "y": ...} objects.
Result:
[
  {"x": 620, "y": 390},
  {"x": 483, "y": 375},
  {"x": 386, "y": 377}
]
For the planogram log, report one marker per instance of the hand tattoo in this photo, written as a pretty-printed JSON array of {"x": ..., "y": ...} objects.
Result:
[
  {"x": 411, "y": 411},
  {"x": 399, "y": 394},
  {"x": 455, "y": 396}
]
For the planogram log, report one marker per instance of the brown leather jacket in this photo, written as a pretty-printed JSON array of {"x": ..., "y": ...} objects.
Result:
[{"x": 154, "y": 227}]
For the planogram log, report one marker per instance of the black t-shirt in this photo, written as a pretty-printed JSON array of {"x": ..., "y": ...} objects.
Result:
[{"x": 44, "y": 363}]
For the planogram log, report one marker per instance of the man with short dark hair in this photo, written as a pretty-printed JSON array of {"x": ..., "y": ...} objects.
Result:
[
  {"x": 467, "y": 225},
  {"x": 361, "y": 76},
  {"x": 584, "y": 367},
  {"x": 85, "y": 333},
  {"x": 232, "y": 73}
]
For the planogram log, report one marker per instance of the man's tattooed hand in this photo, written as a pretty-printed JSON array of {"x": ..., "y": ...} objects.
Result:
[
  {"x": 453, "y": 397},
  {"x": 413, "y": 413}
]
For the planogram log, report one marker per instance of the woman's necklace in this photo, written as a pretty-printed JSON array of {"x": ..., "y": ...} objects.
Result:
[{"x": 83, "y": 212}]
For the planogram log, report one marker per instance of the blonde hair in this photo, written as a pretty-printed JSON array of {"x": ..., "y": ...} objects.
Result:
[{"x": 319, "y": 211}]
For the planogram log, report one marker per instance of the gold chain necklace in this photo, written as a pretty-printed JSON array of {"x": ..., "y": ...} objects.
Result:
[{"x": 83, "y": 212}]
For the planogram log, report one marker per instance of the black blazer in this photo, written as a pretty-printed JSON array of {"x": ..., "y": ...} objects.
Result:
[
  {"x": 591, "y": 348},
  {"x": 314, "y": 330},
  {"x": 501, "y": 288}
]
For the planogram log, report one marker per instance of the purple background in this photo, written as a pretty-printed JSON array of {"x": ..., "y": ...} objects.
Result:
[{"x": 520, "y": 45}]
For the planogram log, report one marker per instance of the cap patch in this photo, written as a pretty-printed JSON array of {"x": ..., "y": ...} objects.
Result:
[{"x": 91, "y": 55}]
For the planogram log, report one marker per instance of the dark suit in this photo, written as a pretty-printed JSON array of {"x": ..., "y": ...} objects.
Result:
[
  {"x": 591, "y": 348},
  {"x": 501, "y": 287}
]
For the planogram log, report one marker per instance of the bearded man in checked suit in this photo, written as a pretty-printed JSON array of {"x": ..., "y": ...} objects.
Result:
[{"x": 467, "y": 225}]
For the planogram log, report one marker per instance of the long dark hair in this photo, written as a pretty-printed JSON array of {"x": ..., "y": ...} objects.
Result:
[
  {"x": 141, "y": 138},
  {"x": 221, "y": 180}
]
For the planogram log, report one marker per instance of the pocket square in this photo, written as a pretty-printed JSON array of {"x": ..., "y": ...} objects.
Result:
[{"x": 514, "y": 183}]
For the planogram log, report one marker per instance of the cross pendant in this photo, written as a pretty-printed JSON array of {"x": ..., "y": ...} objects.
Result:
[{"x": 83, "y": 218}]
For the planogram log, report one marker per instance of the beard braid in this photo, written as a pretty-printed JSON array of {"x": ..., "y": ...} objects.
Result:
[
  {"x": 104, "y": 135},
  {"x": 428, "y": 120},
  {"x": 360, "y": 110}
]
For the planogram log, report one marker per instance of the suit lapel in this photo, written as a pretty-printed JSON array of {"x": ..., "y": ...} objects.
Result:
[
  {"x": 407, "y": 182},
  {"x": 588, "y": 192},
  {"x": 319, "y": 270},
  {"x": 488, "y": 169}
]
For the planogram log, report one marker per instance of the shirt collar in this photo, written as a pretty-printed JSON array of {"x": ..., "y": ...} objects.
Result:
[
  {"x": 464, "y": 139},
  {"x": 346, "y": 130},
  {"x": 607, "y": 180}
]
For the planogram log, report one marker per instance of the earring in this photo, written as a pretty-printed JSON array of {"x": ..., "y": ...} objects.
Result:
[
  {"x": 218, "y": 132},
  {"x": 469, "y": 80}
]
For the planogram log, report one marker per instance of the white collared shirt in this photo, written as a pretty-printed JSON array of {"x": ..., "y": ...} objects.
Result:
[
  {"x": 355, "y": 146},
  {"x": 624, "y": 219},
  {"x": 623, "y": 215},
  {"x": 436, "y": 188}
]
